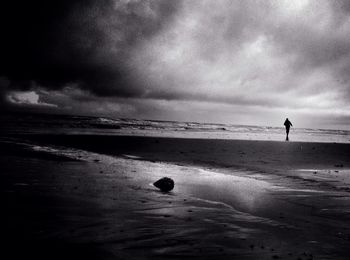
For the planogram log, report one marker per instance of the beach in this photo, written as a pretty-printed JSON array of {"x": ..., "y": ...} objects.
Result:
[
  {"x": 172, "y": 130},
  {"x": 92, "y": 196}
]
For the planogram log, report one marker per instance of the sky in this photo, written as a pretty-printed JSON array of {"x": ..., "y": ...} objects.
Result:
[{"x": 252, "y": 62}]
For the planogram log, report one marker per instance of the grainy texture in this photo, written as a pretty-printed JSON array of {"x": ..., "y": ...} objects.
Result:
[{"x": 92, "y": 197}]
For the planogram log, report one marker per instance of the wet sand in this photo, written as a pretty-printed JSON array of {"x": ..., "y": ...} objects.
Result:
[{"x": 91, "y": 197}]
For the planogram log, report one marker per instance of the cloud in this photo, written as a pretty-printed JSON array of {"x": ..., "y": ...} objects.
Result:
[
  {"x": 143, "y": 54},
  {"x": 253, "y": 52},
  {"x": 27, "y": 98},
  {"x": 82, "y": 42},
  {"x": 72, "y": 100}
]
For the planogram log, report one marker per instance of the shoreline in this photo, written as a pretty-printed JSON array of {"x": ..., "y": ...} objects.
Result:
[
  {"x": 245, "y": 154},
  {"x": 181, "y": 134},
  {"x": 81, "y": 125}
]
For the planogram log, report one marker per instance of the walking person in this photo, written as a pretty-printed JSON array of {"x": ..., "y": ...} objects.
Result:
[{"x": 287, "y": 124}]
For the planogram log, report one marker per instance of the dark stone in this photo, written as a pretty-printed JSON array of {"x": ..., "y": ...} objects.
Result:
[{"x": 164, "y": 184}]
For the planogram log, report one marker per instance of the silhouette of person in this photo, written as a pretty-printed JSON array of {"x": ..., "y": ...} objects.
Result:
[{"x": 287, "y": 124}]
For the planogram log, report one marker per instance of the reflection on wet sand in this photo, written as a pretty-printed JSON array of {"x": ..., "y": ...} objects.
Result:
[{"x": 107, "y": 203}]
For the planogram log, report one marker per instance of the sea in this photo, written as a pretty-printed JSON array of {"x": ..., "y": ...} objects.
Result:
[{"x": 18, "y": 123}]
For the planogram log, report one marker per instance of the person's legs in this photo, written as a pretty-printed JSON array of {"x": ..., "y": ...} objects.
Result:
[{"x": 287, "y": 132}]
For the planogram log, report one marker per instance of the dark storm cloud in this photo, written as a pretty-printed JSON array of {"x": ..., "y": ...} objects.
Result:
[
  {"x": 55, "y": 43},
  {"x": 277, "y": 55}
]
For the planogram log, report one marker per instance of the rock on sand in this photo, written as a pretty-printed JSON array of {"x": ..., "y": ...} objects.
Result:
[{"x": 164, "y": 184}]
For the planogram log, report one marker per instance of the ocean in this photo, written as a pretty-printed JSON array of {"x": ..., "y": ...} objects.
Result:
[{"x": 80, "y": 125}]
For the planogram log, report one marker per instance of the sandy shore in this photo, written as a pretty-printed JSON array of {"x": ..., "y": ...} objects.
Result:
[{"x": 91, "y": 197}]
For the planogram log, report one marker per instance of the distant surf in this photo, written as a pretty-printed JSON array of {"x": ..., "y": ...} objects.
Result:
[{"x": 43, "y": 123}]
